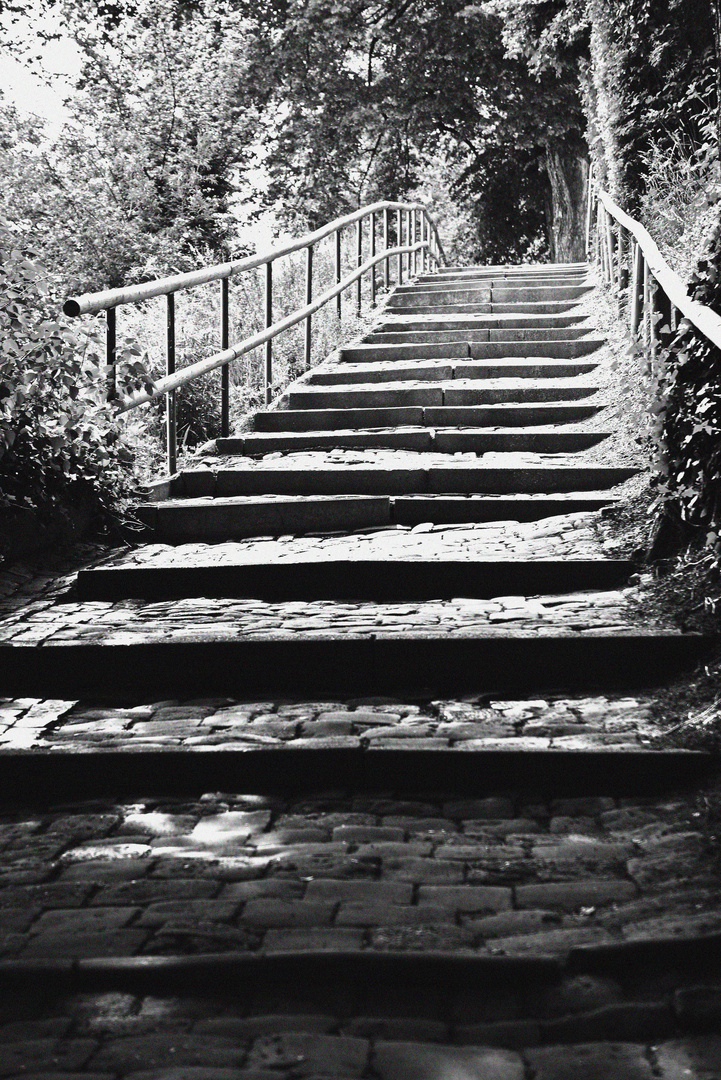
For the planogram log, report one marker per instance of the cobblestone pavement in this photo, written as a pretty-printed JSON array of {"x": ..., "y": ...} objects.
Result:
[
  {"x": 560, "y": 723},
  {"x": 503, "y": 875},
  {"x": 561, "y": 536},
  {"x": 119, "y": 1035}
]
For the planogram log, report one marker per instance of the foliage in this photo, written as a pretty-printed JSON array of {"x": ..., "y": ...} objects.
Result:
[
  {"x": 60, "y": 446},
  {"x": 689, "y": 407}
]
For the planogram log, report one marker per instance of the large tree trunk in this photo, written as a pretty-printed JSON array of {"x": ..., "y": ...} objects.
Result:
[{"x": 567, "y": 166}]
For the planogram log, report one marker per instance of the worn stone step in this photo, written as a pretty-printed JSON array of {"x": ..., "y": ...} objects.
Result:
[
  {"x": 517, "y": 321},
  {"x": 412, "y": 296},
  {"x": 202, "y": 661},
  {"x": 539, "y": 307},
  {"x": 213, "y": 521},
  {"x": 440, "y": 371},
  {"x": 284, "y": 420},
  {"x": 286, "y": 478},
  {"x": 446, "y": 440},
  {"x": 416, "y": 509},
  {"x": 559, "y": 350},
  {"x": 358, "y": 578},
  {"x": 435, "y": 395},
  {"x": 480, "y": 334}
]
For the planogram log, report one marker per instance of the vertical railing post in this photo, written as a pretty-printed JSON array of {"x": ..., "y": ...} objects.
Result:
[
  {"x": 646, "y": 305},
  {"x": 225, "y": 370},
  {"x": 589, "y": 212},
  {"x": 171, "y": 429},
  {"x": 358, "y": 262},
  {"x": 637, "y": 289},
  {"x": 373, "y": 252},
  {"x": 386, "y": 238},
  {"x": 110, "y": 347},
  {"x": 338, "y": 302},
  {"x": 609, "y": 249},
  {"x": 308, "y": 300},
  {"x": 399, "y": 243},
  {"x": 408, "y": 244},
  {"x": 268, "y": 348}
]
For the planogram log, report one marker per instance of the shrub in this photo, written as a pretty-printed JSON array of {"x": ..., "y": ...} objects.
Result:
[{"x": 61, "y": 448}]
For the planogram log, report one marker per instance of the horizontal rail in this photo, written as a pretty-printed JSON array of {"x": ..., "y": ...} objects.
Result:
[
  {"x": 90, "y": 303},
  {"x": 172, "y": 382},
  {"x": 703, "y": 318}
]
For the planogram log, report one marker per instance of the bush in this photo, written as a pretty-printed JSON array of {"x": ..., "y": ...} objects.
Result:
[{"x": 61, "y": 448}]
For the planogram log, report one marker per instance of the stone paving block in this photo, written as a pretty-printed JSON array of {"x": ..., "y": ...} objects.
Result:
[
  {"x": 145, "y": 1052},
  {"x": 573, "y": 895},
  {"x": 591, "y": 1061},
  {"x": 437, "y": 937},
  {"x": 508, "y": 923},
  {"x": 359, "y": 892},
  {"x": 73, "y": 920},
  {"x": 464, "y": 898},
  {"x": 153, "y": 890},
  {"x": 238, "y": 891},
  {"x": 384, "y": 914},
  {"x": 54, "y": 894},
  {"x": 331, "y": 938},
  {"x": 20, "y": 1030},
  {"x": 418, "y": 1061},
  {"x": 206, "y": 911},
  {"x": 311, "y": 1055},
  {"x": 366, "y": 834},
  {"x": 272, "y": 912},
  {"x": 53, "y": 1055},
  {"x": 423, "y": 871},
  {"x": 510, "y": 1034},
  {"x": 253, "y": 1027},
  {"x": 693, "y": 1058},
  {"x": 230, "y": 827},
  {"x": 85, "y": 944}
]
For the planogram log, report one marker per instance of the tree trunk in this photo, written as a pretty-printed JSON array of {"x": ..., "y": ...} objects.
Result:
[{"x": 567, "y": 167}]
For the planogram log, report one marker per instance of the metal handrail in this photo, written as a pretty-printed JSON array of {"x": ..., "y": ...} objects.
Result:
[
  {"x": 630, "y": 260},
  {"x": 422, "y": 247}
]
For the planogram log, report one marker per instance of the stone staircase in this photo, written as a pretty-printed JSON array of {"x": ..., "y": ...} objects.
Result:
[{"x": 350, "y": 769}]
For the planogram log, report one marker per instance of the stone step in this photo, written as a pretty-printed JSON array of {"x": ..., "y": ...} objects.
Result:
[
  {"x": 209, "y": 656},
  {"x": 444, "y": 286},
  {"x": 435, "y": 395},
  {"x": 561, "y": 350},
  {"x": 285, "y": 420},
  {"x": 413, "y": 295},
  {"x": 518, "y": 321},
  {"x": 212, "y": 521},
  {"x": 357, "y": 578},
  {"x": 512, "y": 307},
  {"x": 539, "y": 269},
  {"x": 448, "y": 440},
  {"x": 285, "y": 477},
  {"x": 439, "y": 371},
  {"x": 432, "y": 337}
]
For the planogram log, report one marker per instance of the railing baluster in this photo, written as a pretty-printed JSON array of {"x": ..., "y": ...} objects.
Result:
[
  {"x": 358, "y": 262},
  {"x": 373, "y": 252},
  {"x": 408, "y": 243},
  {"x": 399, "y": 243},
  {"x": 338, "y": 304},
  {"x": 171, "y": 428},
  {"x": 646, "y": 305},
  {"x": 386, "y": 235},
  {"x": 637, "y": 288},
  {"x": 110, "y": 347},
  {"x": 225, "y": 370},
  {"x": 308, "y": 299},
  {"x": 268, "y": 323}
]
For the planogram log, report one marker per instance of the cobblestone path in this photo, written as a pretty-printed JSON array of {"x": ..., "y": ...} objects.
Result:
[{"x": 351, "y": 768}]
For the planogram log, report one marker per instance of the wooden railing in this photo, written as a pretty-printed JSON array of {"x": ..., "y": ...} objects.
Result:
[
  {"x": 417, "y": 247},
  {"x": 653, "y": 295}
]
